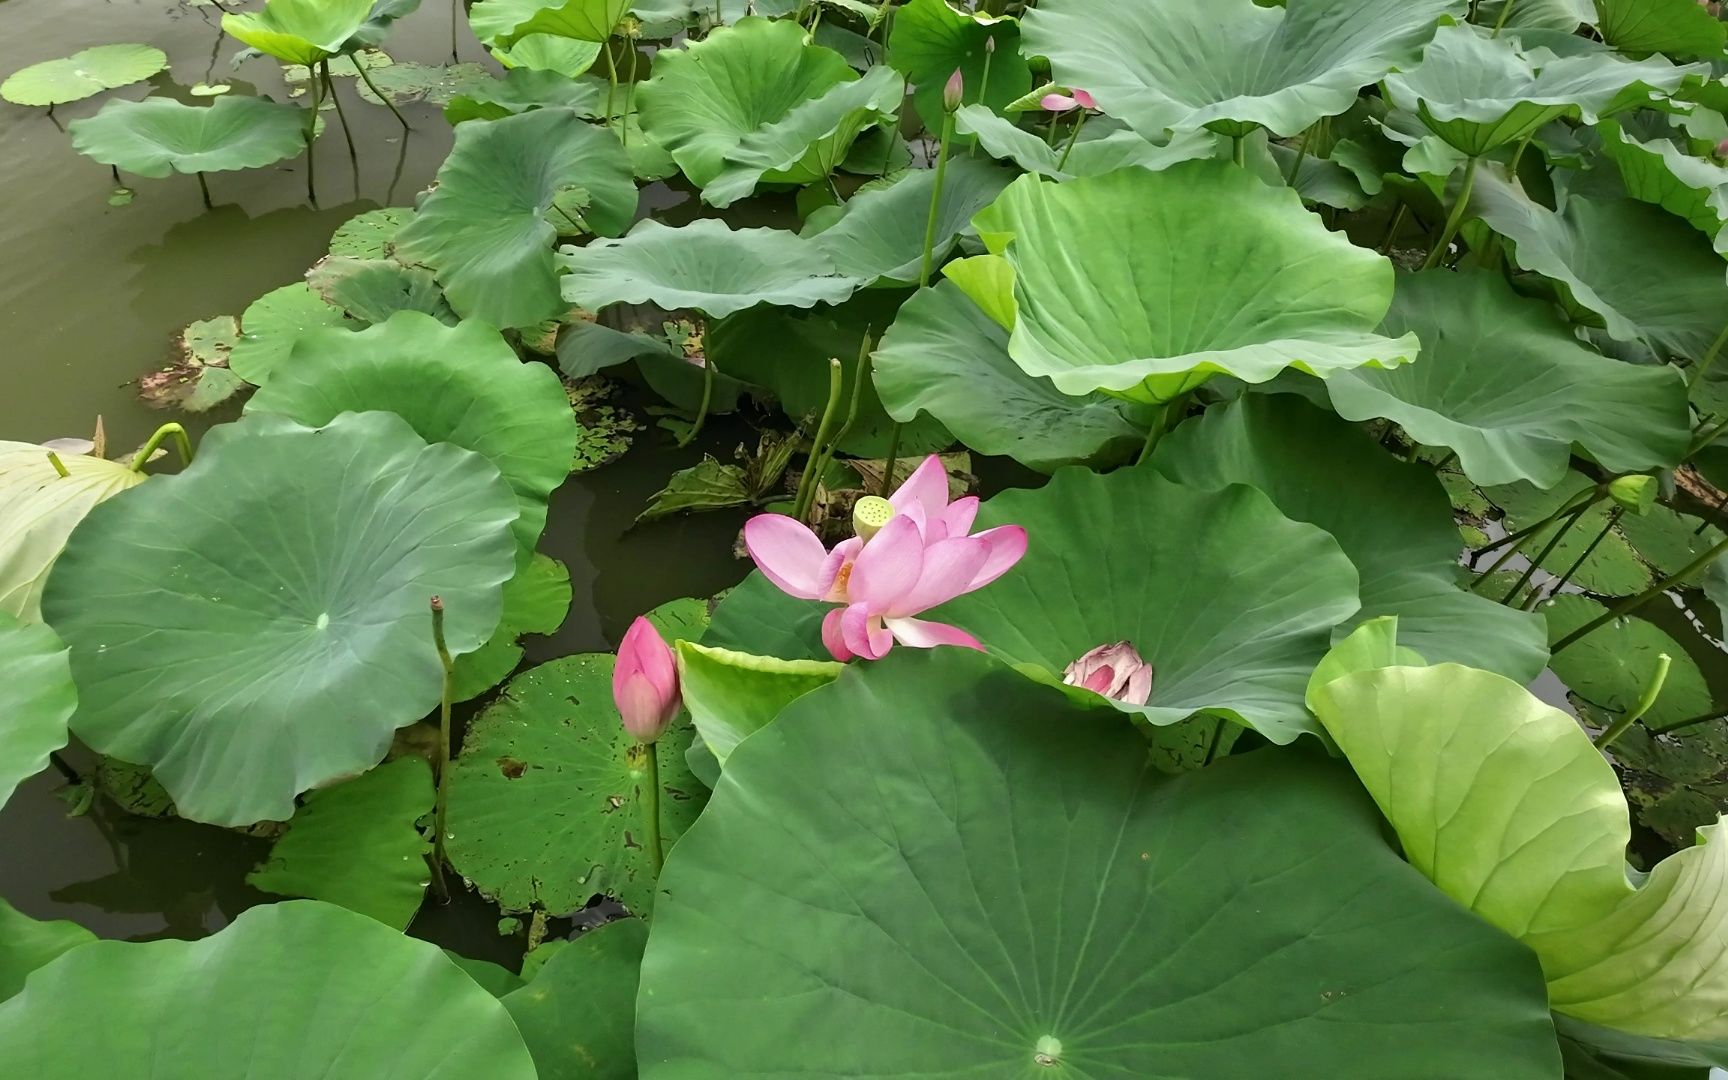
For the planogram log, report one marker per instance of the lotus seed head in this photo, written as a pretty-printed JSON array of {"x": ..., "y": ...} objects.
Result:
[{"x": 869, "y": 514}]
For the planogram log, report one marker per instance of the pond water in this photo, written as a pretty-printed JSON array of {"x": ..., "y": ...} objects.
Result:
[{"x": 90, "y": 297}]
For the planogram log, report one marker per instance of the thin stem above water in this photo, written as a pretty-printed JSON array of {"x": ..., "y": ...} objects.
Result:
[
  {"x": 182, "y": 443},
  {"x": 1455, "y": 218}
]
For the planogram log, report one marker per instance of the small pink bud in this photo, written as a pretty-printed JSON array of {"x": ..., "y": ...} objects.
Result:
[
  {"x": 1085, "y": 99},
  {"x": 1116, "y": 671},
  {"x": 645, "y": 683},
  {"x": 1722, "y": 149},
  {"x": 954, "y": 92}
]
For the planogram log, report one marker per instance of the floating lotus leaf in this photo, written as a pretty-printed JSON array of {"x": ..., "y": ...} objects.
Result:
[
  {"x": 578, "y": 1015},
  {"x": 372, "y": 290},
  {"x": 460, "y": 384},
  {"x": 709, "y": 98},
  {"x": 503, "y": 22},
  {"x": 1612, "y": 568},
  {"x": 356, "y": 845},
  {"x": 1504, "y": 382},
  {"x": 1655, "y": 170},
  {"x": 286, "y": 991},
  {"x": 371, "y": 235},
  {"x": 1147, "y": 284},
  {"x": 39, "y": 508},
  {"x": 1479, "y": 92},
  {"x": 536, "y": 601},
  {"x": 1104, "y": 146},
  {"x": 706, "y": 265},
  {"x": 484, "y": 229},
  {"x": 26, "y": 944},
  {"x": 299, "y": 31},
  {"x": 1676, "y": 27},
  {"x": 406, "y": 83},
  {"x": 878, "y": 237},
  {"x": 940, "y": 868},
  {"x": 81, "y": 75},
  {"x": 1393, "y": 521},
  {"x": 1245, "y": 653},
  {"x": 273, "y": 323},
  {"x": 568, "y": 57},
  {"x": 1229, "y": 65},
  {"x": 1640, "y": 272},
  {"x": 552, "y": 750},
  {"x": 1611, "y": 665},
  {"x": 944, "y": 357},
  {"x": 930, "y": 40},
  {"x": 257, "y": 625},
  {"x": 36, "y": 699},
  {"x": 157, "y": 136}
]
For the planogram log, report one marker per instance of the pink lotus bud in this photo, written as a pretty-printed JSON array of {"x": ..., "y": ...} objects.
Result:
[
  {"x": 1057, "y": 103},
  {"x": 645, "y": 683},
  {"x": 1115, "y": 671},
  {"x": 1085, "y": 99},
  {"x": 1722, "y": 149},
  {"x": 955, "y": 92}
]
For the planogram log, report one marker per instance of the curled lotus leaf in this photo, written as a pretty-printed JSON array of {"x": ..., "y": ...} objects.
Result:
[
  {"x": 36, "y": 699},
  {"x": 39, "y": 508},
  {"x": 299, "y": 31},
  {"x": 1103, "y": 146},
  {"x": 1655, "y": 169},
  {"x": 502, "y": 23}
]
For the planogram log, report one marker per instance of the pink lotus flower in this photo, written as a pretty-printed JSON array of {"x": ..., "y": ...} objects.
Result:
[
  {"x": 922, "y": 557},
  {"x": 645, "y": 683},
  {"x": 1062, "y": 102},
  {"x": 1115, "y": 671}
]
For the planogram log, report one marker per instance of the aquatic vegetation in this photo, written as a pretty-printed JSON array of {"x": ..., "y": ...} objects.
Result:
[{"x": 1223, "y": 508}]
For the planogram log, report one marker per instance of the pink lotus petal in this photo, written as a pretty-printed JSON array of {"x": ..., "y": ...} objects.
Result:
[
  {"x": 948, "y": 569},
  {"x": 1007, "y": 547},
  {"x": 959, "y": 516},
  {"x": 643, "y": 651},
  {"x": 1086, "y": 101},
  {"x": 921, "y": 634},
  {"x": 645, "y": 682},
  {"x": 1099, "y": 681},
  {"x": 1056, "y": 103},
  {"x": 864, "y": 633},
  {"x": 836, "y": 574},
  {"x": 888, "y": 566},
  {"x": 927, "y": 486},
  {"x": 788, "y": 554},
  {"x": 834, "y": 638}
]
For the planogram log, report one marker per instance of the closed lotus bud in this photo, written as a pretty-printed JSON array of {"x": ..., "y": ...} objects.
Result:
[
  {"x": 1636, "y": 493},
  {"x": 1116, "y": 671},
  {"x": 954, "y": 92},
  {"x": 1086, "y": 101},
  {"x": 1722, "y": 149},
  {"x": 645, "y": 683}
]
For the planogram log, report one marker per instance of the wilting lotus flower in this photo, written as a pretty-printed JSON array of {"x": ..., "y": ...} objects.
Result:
[
  {"x": 912, "y": 553},
  {"x": 645, "y": 682},
  {"x": 1115, "y": 671},
  {"x": 954, "y": 92},
  {"x": 1062, "y": 102}
]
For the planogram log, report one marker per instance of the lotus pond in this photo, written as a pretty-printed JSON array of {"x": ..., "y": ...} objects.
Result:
[{"x": 899, "y": 538}]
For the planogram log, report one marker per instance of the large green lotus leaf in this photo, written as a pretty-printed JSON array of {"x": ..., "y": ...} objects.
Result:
[
  {"x": 36, "y": 699},
  {"x": 942, "y": 869},
  {"x": 39, "y": 508},
  {"x": 1505, "y": 383},
  {"x": 708, "y": 97},
  {"x": 536, "y": 601},
  {"x": 1655, "y": 170},
  {"x": 459, "y": 384},
  {"x": 356, "y": 845},
  {"x": 1147, "y": 284},
  {"x": 1641, "y": 273},
  {"x": 379, "y": 20},
  {"x": 810, "y": 141},
  {"x": 1229, "y": 64},
  {"x": 1243, "y": 653},
  {"x": 878, "y": 237},
  {"x": 564, "y": 56},
  {"x": 930, "y": 40},
  {"x": 1478, "y": 92},
  {"x": 1103, "y": 146},
  {"x": 372, "y": 290},
  {"x": 546, "y": 809},
  {"x": 287, "y": 991},
  {"x": 731, "y": 695},
  {"x": 522, "y": 89},
  {"x": 484, "y": 229},
  {"x": 706, "y": 265},
  {"x": 1393, "y": 520},
  {"x": 157, "y": 136},
  {"x": 503, "y": 22},
  {"x": 756, "y": 617},
  {"x": 299, "y": 31},
  {"x": 257, "y": 625},
  {"x": 944, "y": 357},
  {"x": 84, "y": 73},
  {"x": 1611, "y": 665},
  {"x": 27, "y": 944},
  {"x": 578, "y": 1014},
  {"x": 1676, "y": 27},
  {"x": 273, "y": 323}
]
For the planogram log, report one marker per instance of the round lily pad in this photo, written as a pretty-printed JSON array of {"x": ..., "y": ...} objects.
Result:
[
  {"x": 157, "y": 136},
  {"x": 258, "y": 624},
  {"x": 81, "y": 75},
  {"x": 272, "y": 324},
  {"x": 1611, "y": 665}
]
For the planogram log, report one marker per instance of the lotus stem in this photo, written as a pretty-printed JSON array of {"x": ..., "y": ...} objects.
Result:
[
  {"x": 651, "y": 804},
  {"x": 182, "y": 443},
  {"x": 330, "y": 92},
  {"x": 1166, "y": 420},
  {"x": 811, "y": 478},
  {"x": 1398, "y": 217},
  {"x": 1073, "y": 138},
  {"x": 1567, "y": 507},
  {"x": 1721, "y": 505},
  {"x": 861, "y": 376},
  {"x": 312, "y": 137},
  {"x": 1522, "y": 537},
  {"x": 629, "y": 98},
  {"x": 1633, "y": 603},
  {"x": 1703, "y": 441},
  {"x": 1500, "y": 23},
  {"x": 59, "y": 466},
  {"x": 360, "y": 69},
  {"x": 1451, "y": 456},
  {"x": 611, "y": 80},
  {"x": 441, "y": 810},
  {"x": 1652, "y": 690},
  {"x": 1702, "y": 368},
  {"x": 1578, "y": 564},
  {"x": 707, "y": 397},
  {"x": 1689, "y": 722},
  {"x": 1547, "y": 550},
  {"x": 1518, "y": 155},
  {"x": 1301, "y": 155},
  {"x": 1455, "y": 218},
  {"x": 936, "y": 201},
  {"x": 1239, "y": 150},
  {"x": 457, "y": 9},
  {"x": 115, "y": 169},
  {"x": 893, "y": 458}
]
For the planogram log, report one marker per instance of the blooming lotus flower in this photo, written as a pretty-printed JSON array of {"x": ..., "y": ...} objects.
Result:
[
  {"x": 1063, "y": 103},
  {"x": 914, "y": 551},
  {"x": 645, "y": 683},
  {"x": 1116, "y": 671}
]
